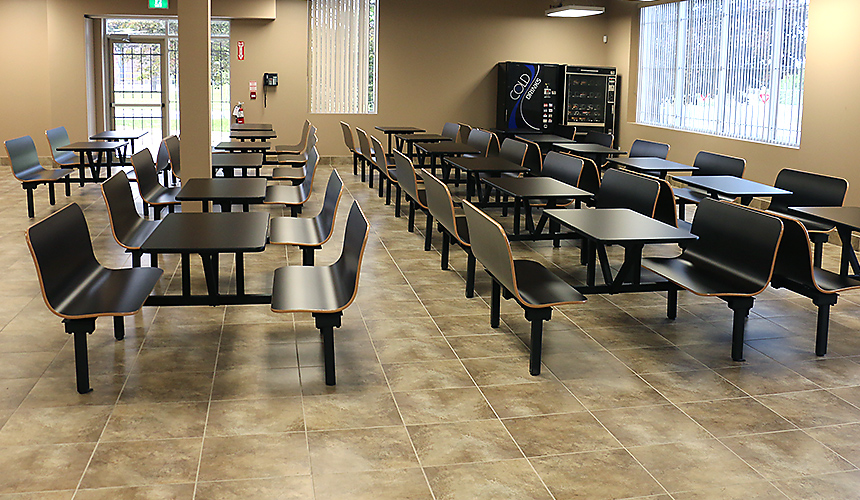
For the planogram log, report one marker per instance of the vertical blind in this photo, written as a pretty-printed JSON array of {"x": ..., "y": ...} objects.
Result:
[
  {"x": 732, "y": 68},
  {"x": 342, "y": 56}
]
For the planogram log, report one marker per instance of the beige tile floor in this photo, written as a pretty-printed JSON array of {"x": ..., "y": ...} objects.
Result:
[{"x": 431, "y": 402}]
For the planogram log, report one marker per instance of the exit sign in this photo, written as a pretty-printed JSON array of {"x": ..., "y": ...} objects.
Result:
[{"x": 157, "y": 4}]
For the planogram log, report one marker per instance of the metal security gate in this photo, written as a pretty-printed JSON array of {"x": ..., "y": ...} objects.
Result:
[{"x": 138, "y": 88}]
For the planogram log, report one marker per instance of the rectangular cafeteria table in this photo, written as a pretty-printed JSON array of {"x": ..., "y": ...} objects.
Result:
[{"x": 224, "y": 192}]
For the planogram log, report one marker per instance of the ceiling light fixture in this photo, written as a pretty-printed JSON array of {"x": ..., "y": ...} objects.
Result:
[{"x": 574, "y": 11}]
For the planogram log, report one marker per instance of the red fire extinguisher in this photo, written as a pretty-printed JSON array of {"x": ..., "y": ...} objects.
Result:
[{"x": 239, "y": 113}]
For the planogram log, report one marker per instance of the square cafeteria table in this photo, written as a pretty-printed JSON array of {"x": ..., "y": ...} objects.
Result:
[
  {"x": 493, "y": 166},
  {"x": 525, "y": 189},
  {"x": 253, "y": 135},
  {"x": 412, "y": 138},
  {"x": 97, "y": 153},
  {"x": 389, "y": 131},
  {"x": 652, "y": 166},
  {"x": 730, "y": 186},
  {"x": 251, "y": 126},
  {"x": 209, "y": 234},
  {"x": 224, "y": 192},
  {"x": 847, "y": 220},
  {"x": 121, "y": 135},
  {"x": 227, "y": 162},
  {"x": 244, "y": 147},
  {"x": 439, "y": 150},
  {"x": 618, "y": 226}
]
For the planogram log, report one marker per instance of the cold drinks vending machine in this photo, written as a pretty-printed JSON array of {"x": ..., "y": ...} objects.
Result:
[
  {"x": 529, "y": 97},
  {"x": 589, "y": 98}
]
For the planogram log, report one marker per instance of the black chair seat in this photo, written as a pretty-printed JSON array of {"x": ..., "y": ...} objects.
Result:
[
  {"x": 162, "y": 196},
  {"x": 291, "y": 159},
  {"x": 286, "y": 195},
  {"x": 109, "y": 292},
  {"x": 834, "y": 282},
  {"x": 703, "y": 281},
  {"x": 38, "y": 174},
  {"x": 810, "y": 224},
  {"x": 26, "y": 168},
  {"x": 540, "y": 287},
  {"x": 289, "y": 173}
]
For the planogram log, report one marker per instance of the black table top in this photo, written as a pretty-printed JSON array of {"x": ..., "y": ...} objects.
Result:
[
  {"x": 487, "y": 164},
  {"x": 544, "y": 138},
  {"x": 252, "y": 134},
  {"x": 843, "y": 216},
  {"x": 209, "y": 233},
  {"x": 227, "y": 160},
  {"x": 251, "y": 126},
  {"x": 651, "y": 164},
  {"x": 247, "y": 190},
  {"x": 730, "y": 185},
  {"x": 114, "y": 135},
  {"x": 243, "y": 146},
  {"x": 399, "y": 130},
  {"x": 588, "y": 148},
  {"x": 422, "y": 137},
  {"x": 93, "y": 146},
  {"x": 446, "y": 147},
  {"x": 618, "y": 225},
  {"x": 537, "y": 187}
]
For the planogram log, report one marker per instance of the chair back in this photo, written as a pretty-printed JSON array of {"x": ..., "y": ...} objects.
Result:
[
  {"x": 172, "y": 143},
  {"x": 491, "y": 247},
  {"x": 808, "y": 190},
  {"x": 621, "y": 189},
  {"x": 406, "y": 176},
  {"x": 481, "y": 140},
  {"x": 306, "y": 134},
  {"x": 514, "y": 151},
  {"x": 594, "y": 137},
  {"x": 331, "y": 200},
  {"x": 23, "y": 157},
  {"x": 716, "y": 164},
  {"x": 642, "y": 148},
  {"x": 451, "y": 130},
  {"x": 743, "y": 241},
  {"x": 307, "y": 184},
  {"x": 563, "y": 167},
  {"x": 347, "y": 268},
  {"x": 364, "y": 145},
  {"x": 567, "y": 131},
  {"x": 464, "y": 132},
  {"x": 534, "y": 158},
  {"x": 162, "y": 159},
  {"x": 380, "y": 158},
  {"x": 144, "y": 171},
  {"x": 441, "y": 205},
  {"x": 347, "y": 137},
  {"x": 665, "y": 210},
  {"x": 59, "y": 265},
  {"x": 125, "y": 222},
  {"x": 57, "y": 138}
]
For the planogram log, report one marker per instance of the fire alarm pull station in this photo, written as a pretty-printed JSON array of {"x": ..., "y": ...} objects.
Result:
[
  {"x": 252, "y": 85},
  {"x": 269, "y": 80}
]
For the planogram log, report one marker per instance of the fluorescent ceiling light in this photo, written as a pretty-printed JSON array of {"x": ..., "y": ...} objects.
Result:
[{"x": 574, "y": 11}]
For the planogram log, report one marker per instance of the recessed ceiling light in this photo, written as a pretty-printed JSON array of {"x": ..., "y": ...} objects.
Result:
[{"x": 574, "y": 11}]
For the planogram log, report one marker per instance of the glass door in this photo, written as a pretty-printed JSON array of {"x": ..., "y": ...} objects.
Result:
[{"x": 138, "y": 88}]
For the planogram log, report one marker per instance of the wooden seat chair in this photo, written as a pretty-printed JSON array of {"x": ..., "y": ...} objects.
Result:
[
  {"x": 59, "y": 137},
  {"x": 415, "y": 195},
  {"x": 385, "y": 164},
  {"x": 452, "y": 225},
  {"x": 77, "y": 288},
  {"x": 648, "y": 149},
  {"x": 295, "y": 174},
  {"x": 294, "y": 196},
  {"x": 367, "y": 161},
  {"x": 129, "y": 229},
  {"x": 299, "y": 146},
  {"x": 325, "y": 291},
  {"x": 535, "y": 288},
  {"x": 809, "y": 190},
  {"x": 463, "y": 133},
  {"x": 171, "y": 142},
  {"x": 151, "y": 191},
  {"x": 293, "y": 159},
  {"x": 732, "y": 259},
  {"x": 349, "y": 140},
  {"x": 24, "y": 160},
  {"x": 309, "y": 233},
  {"x": 162, "y": 162},
  {"x": 795, "y": 270},
  {"x": 534, "y": 159},
  {"x": 594, "y": 137},
  {"x": 707, "y": 163}
]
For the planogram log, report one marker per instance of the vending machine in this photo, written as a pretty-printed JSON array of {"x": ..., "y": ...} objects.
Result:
[
  {"x": 589, "y": 98},
  {"x": 529, "y": 97}
]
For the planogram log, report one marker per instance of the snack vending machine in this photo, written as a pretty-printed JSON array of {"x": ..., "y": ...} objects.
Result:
[{"x": 589, "y": 98}]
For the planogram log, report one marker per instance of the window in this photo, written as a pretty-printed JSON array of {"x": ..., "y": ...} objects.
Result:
[
  {"x": 140, "y": 89},
  {"x": 342, "y": 56},
  {"x": 732, "y": 68}
]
